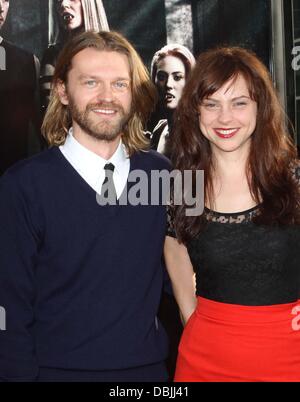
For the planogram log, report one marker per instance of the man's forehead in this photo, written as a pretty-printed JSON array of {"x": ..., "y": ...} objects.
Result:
[{"x": 91, "y": 59}]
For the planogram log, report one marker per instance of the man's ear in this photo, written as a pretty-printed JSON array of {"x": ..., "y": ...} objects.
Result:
[{"x": 62, "y": 92}]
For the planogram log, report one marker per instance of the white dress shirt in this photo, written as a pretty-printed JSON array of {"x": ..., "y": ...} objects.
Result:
[{"x": 90, "y": 166}]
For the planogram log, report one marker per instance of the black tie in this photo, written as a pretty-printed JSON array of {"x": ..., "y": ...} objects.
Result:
[{"x": 108, "y": 190}]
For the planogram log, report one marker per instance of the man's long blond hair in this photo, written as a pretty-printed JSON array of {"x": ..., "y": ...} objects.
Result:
[{"x": 58, "y": 120}]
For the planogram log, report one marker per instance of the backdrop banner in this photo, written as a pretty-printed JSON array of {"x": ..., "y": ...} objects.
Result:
[{"x": 33, "y": 31}]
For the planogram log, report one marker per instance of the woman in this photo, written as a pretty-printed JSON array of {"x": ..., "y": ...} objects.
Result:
[
  {"x": 68, "y": 17},
  {"x": 244, "y": 248},
  {"x": 170, "y": 68}
]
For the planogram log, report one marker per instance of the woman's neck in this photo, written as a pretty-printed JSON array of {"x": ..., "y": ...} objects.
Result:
[
  {"x": 230, "y": 164},
  {"x": 67, "y": 35}
]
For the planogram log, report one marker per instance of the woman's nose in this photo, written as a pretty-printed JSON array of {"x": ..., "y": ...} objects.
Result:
[
  {"x": 170, "y": 82},
  {"x": 65, "y": 3},
  {"x": 225, "y": 114}
]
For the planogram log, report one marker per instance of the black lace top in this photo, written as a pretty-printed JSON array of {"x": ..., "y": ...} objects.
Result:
[{"x": 239, "y": 262}]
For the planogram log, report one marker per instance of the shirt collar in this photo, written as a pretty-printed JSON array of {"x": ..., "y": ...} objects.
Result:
[
  {"x": 90, "y": 163},
  {"x": 1, "y": 39}
]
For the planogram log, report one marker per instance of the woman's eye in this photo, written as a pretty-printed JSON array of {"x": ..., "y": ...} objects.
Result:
[
  {"x": 210, "y": 105},
  {"x": 161, "y": 76},
  {"x": 239, "y": 104},
  {"x": 178, "y": 77}
]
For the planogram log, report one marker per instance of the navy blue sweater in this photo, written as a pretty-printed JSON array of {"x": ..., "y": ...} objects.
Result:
[{"x": 80, "y": 283}]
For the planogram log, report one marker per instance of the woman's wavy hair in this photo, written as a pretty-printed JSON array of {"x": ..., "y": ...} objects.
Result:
[
  {"x": 58, "y": 120},
  {"x": 272, "y": 151},
  {"x": 176, "y": 50},
  {"x": 94, "y": 19}
]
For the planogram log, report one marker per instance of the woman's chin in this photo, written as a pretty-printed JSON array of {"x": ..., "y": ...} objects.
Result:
[{"x": 170, "y": 106}]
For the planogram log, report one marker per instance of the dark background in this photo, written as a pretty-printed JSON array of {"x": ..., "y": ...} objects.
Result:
[
  {"x": 233, "y": 22},
  {"x": 244, "y": 23}
]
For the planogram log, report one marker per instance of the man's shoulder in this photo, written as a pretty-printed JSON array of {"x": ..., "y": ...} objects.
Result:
[
  {"x": 37, "y": 167},
  {"x": 153, "y": 159}
]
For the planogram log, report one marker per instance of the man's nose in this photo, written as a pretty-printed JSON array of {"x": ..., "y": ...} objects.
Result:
[{"x": 105, "y": 92}]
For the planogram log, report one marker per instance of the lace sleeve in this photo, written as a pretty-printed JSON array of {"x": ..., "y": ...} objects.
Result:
[
  {"x": 170, "y": 221},
  {"x": 296, "y": 171}
]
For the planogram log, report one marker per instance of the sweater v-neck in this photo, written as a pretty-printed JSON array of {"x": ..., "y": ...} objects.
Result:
[{"x": 83, "y": 183}]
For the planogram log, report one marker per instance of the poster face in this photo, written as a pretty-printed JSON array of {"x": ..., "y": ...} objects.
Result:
[{"x": 33, "y": 31}]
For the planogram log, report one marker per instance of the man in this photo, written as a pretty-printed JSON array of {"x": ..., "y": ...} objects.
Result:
[
  {"x": 18, "y": 82},
  {"x": 81, "y": 282}
]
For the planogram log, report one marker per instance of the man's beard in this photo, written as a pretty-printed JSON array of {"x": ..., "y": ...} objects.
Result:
[{"x": 103, "y": 129}]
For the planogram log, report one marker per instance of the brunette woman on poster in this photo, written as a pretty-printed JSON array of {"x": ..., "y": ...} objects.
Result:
[
  {"x": 18, "y": 83},
  {"x": 68, "y": 17},
  {"x": 244, "y": 249},
  {"x": 170, "y": 67}
]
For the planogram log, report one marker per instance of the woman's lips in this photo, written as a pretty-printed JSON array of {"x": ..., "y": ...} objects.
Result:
[
  {"x": 226, "y": 132},
  {"x": 169, "y": 97},
  {"x": 67, "y": 17}
]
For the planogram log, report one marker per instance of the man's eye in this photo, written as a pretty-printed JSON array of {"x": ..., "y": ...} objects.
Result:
[
  {"x": 90, "y": 83},
  {"x": 120, "y": 85}
]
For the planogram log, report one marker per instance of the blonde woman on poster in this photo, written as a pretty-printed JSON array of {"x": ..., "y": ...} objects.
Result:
[{"x": 66, "y": 18}]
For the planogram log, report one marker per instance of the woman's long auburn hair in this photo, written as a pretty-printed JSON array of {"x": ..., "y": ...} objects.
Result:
[
  {"x": 58, "y": 120},
  {"x": 272, "y": 151}
]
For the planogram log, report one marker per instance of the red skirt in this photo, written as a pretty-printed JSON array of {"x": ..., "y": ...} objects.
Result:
[{"x": 226, "y": 342}]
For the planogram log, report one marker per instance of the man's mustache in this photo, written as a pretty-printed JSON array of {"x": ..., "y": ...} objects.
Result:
[{"x": 105, "y": 105}]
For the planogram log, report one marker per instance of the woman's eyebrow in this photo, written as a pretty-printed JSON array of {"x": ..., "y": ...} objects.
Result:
[{"x": 233, "y": 99}]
